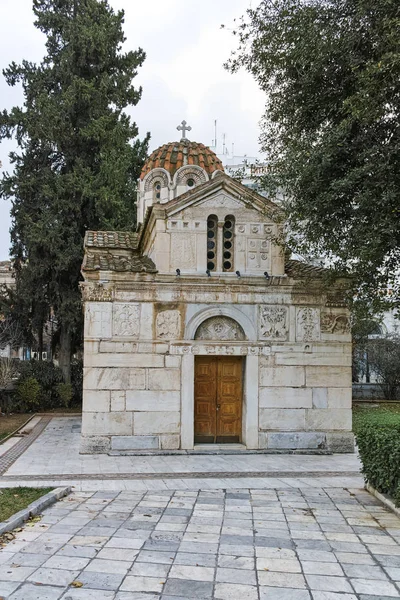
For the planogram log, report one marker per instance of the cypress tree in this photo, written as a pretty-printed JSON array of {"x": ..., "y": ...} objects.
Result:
[{"x": 78, "y": 157}]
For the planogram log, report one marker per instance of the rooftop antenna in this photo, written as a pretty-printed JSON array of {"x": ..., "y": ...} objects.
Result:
[{"x": 215, "y": 133}]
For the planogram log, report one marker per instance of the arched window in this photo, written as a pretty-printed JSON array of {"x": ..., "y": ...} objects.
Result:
[
  {"x": 157, "y": 191},
  {"x": 228, "y": 243},
  {"x": 212, "y": 232}
]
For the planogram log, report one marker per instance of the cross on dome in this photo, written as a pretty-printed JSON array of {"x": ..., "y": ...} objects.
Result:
[{"x": 184, "y": 128}]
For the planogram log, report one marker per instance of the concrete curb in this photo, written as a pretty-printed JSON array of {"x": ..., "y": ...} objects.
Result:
[
  {"x": 383, "y": 498},
  {"x": 33, "y": 509}
]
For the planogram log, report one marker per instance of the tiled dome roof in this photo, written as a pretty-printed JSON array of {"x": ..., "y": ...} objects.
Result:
[{"x": 174, "y": 155}]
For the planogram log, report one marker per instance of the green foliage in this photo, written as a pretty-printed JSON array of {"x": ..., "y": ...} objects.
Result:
[
  {"x": 49, "y": 377},
  {"x": 330, "y": 70},
  {"x": 78, "y": 157},
  {"x": 65, "y": 393},
  {"x": 379, "y": 447},
  {"x": 28, "y": 393},
  {"x": 375, "y": 415},
  {"x": 77, "y": 381}
]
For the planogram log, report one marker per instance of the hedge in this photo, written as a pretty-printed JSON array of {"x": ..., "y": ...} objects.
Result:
[{"x": 379, "y": 447}]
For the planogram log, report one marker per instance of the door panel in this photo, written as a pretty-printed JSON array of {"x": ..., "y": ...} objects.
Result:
[
  {"x": 229, "y": 401},
  {"x": 205, "y": 399},
  {"x": 218, "y": 399}
]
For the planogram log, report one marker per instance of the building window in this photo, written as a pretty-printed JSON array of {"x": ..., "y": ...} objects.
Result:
[
  {"x": 212, "y": 231},
  {"x": 190, "y": 182},
  {"x": 157, "y": 190},
  {"x": 228, "y": 243}
]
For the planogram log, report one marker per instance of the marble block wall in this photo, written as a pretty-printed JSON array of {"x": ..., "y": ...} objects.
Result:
[{"x": 138, "y": 395}]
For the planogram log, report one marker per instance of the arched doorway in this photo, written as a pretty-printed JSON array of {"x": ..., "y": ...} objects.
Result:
[{"x": 218, "y": 386}]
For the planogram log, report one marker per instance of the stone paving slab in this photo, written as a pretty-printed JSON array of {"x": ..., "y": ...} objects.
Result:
[
  {"x": 311, "y": 543},
  {"x": 17, "y": 449},
  {"x": 56, "y": 453}
]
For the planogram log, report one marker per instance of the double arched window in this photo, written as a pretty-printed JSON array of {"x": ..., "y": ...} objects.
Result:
[
  {"x": 220, "y": 247},
  {"x": 156, "y": 191},
  {"x": 212, "y": 242}
]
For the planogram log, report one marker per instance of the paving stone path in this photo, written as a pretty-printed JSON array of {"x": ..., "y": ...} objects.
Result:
[
  {"x": 283, "y": 544},
  {"x": 9, "y": 457}
]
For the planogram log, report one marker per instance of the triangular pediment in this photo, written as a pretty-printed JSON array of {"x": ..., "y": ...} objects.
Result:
[{"x": 223, "y": 191}]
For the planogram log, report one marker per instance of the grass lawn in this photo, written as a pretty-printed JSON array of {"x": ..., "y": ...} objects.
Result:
[
  {"x": 14, "y": 499},
  {"x": 375, "y": 413},
  {"x": 9, "y": 423}
]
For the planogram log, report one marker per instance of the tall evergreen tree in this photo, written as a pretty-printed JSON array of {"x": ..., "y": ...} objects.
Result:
[
  {"x": 330, "y": 70},
  {"x": 78, "y": 155}
]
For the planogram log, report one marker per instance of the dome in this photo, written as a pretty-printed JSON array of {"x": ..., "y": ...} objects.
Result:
[{"x": 174, "y": 155}]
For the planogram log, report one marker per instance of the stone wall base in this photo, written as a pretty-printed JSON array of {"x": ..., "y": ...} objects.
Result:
[
  {"x": 337, "y": 442},
  {"x": 279, "y": 441}
]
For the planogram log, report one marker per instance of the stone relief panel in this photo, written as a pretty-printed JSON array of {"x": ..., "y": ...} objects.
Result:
[
  {"x": 126, "y": 319},
  {"x": 168, "y": 325},
  {"x": 308, "y": 324},
  {"x": 273, "y": 323},
  {"x": 220, "y": 328},
  {"x": 335, "y": 323},
  {"x": 183, "y": 251},
  {"x": 223, "y": 202},
  {"x": 98, "y": 319},
  {"x": 258, "y": 254}
]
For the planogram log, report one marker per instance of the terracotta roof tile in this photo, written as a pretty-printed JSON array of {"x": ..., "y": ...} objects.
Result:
[{"x": 174, "y": 155}]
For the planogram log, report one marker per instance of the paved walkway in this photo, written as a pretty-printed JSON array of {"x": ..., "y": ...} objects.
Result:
[
  {"x": 53, "y": 459},
  {"x": 308, "y": 544}
]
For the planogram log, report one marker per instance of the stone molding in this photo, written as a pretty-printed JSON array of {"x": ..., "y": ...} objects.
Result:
[
  {"x": 219, "y": 349},
  {"x": 96, "y": 292}
]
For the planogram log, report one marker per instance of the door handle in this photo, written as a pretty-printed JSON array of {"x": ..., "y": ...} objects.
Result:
[{"x": 218, "y": 406}]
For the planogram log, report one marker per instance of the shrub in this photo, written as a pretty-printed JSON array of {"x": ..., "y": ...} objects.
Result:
[
  {"x": 65, "y": 393},
  {"x": 28, "y": 393},
  {"x": 48, "y": 376},
  {"x": 379, "y": 447}
]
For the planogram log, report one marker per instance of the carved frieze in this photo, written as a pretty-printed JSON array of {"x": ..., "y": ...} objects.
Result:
[
  {"x": 126, "y": 319},
  {"x": 335, "y": 323},
  {"x": 220, "y": 349},
  {"x": 96, "y": 292},
  {"x": 273, "y": 323},
  {"x": 307, "y": 324},
  {"x": 168, "y": 325},
  {"x": 220, "y": 328}
]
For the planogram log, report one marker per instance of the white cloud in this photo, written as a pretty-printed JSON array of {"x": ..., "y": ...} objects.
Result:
[{"x": 182, "y": 77}]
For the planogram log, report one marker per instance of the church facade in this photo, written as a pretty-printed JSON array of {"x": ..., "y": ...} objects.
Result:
[{"x": 200, "y": 330}]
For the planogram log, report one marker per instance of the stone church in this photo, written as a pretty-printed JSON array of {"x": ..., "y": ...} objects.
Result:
[{"x": 199, "y": 329}]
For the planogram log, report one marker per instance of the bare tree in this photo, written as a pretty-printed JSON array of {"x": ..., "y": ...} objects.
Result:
[{"x": 384, "y": 361}]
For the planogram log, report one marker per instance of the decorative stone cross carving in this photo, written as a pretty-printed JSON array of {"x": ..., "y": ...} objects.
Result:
[{"x": 182, "y": 127}]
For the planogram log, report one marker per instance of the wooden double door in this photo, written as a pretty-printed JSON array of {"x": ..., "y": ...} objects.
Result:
[{"x": 218, "y": 391}]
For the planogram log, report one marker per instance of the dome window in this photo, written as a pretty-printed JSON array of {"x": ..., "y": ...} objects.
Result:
[
  {"x": 157, "y": 190},
  {"x": 190, "y": 182}
]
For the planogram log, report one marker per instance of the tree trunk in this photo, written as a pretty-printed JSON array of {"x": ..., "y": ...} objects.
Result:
[
  {"x": 40, "y": 341},
  {"x": 65, "y": 354}
]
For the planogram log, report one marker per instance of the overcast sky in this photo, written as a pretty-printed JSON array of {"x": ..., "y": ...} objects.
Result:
[{"x": 182, "y": 76}]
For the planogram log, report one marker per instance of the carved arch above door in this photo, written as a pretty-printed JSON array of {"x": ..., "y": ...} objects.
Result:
[{"x": 220, "y": 328}]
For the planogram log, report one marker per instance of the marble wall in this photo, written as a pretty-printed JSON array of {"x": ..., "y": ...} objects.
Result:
[{"x": 140, "y": 348}]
